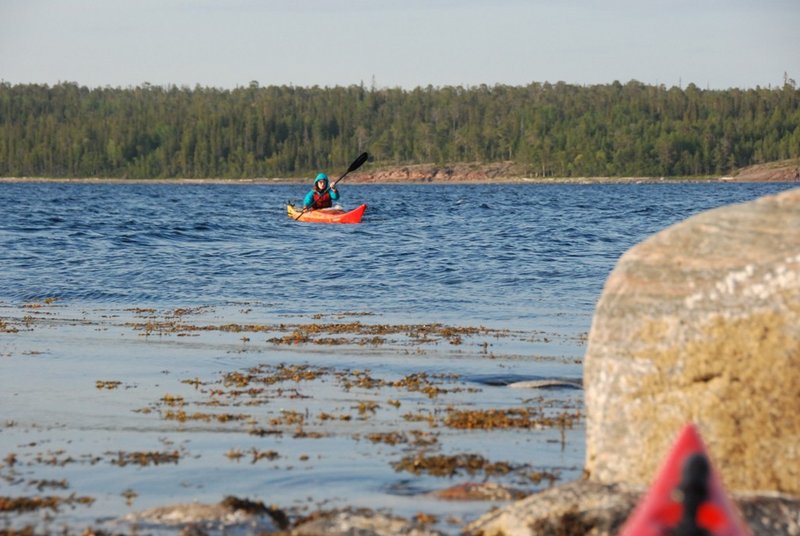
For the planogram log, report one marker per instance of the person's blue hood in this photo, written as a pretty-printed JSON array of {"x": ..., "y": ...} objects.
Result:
[{"x": 321, "y": 177}]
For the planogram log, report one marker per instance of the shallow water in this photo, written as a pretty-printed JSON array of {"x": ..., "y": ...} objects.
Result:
[{"x": 136, "y": 283}]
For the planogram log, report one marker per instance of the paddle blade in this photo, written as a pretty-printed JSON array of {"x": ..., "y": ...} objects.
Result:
[{"x": 358, "y": 162}]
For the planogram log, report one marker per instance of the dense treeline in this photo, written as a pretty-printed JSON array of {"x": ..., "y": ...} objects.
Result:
[{"x": 550, "y": 129}]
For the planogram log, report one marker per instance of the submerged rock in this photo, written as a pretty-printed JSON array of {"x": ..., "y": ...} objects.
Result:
[
  {"x": 555, "y": 383},
  {"x": 701, "y": 323},
  {"x": 479, "y": 491}
]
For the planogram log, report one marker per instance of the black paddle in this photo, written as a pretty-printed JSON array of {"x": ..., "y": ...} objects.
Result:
[{"x": 357, "y": 163}]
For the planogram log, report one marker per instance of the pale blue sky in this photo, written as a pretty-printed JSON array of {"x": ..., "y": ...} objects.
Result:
[{"x": 406, "y": 43}]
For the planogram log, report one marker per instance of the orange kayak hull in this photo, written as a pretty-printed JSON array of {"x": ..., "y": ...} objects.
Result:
[{"x": 327, "y": 215}]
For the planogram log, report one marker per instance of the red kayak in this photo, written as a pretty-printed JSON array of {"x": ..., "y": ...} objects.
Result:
[
  {"x": 686, "y": 497},
  {"x": 327, "y": 215}
]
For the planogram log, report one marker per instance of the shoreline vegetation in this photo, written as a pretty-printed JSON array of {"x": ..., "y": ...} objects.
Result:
[
  {"x": 474, "y": 173},
  {"x": 538, "y": 130}
]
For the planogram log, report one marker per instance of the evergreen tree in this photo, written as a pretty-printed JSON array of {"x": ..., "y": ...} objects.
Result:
[{"x": 559, "y": 129}]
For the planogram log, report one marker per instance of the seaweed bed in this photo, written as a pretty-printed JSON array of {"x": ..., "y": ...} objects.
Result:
[{"x": 108, "y": 412}]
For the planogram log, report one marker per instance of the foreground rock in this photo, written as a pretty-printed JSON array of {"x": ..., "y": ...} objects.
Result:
[
  {"x": 359, "y": 523},
  {"x": 701, "y": 323},
  {"x": 243, "y": 516},
  {"x": 230, "y": 513},
  {"x": 596, "y": 509}
]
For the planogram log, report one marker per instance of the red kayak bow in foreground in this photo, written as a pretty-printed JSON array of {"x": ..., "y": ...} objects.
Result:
[{"x": 687, "y": 497}]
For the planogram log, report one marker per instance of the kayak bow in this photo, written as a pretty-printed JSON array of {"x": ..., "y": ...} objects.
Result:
[
  {"x": 327, "y": 215},
  {"x": 686, "y": 496}
]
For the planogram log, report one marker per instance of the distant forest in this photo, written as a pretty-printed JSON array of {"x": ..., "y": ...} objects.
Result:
[{"x": 563, "y": 130}]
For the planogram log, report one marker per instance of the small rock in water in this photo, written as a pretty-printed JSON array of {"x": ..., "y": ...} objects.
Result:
[
  {"x": 476, "y": 491},
  {"x": 230, "y": 511},
  {"x": 548, "y": 384}
]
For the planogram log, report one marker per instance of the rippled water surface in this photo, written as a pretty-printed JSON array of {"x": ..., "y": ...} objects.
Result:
[
  {"x": 122, "y": 305},
  {"x": 486, "y": 253}
]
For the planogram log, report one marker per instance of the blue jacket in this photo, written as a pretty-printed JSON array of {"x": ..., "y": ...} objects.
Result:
[{"x": 320, "y": 193}]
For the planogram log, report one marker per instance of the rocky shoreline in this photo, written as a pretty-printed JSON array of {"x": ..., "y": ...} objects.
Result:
[
  {"x": 500, "y": 172},
  {"x": 476, "y": 173},
  {"x": 783, "y": 171}
]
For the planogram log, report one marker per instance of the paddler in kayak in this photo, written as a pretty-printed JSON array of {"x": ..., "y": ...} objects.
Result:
[{"x": 320, "y": 196}]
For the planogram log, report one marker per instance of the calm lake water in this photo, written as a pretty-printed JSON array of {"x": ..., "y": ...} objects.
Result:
[{"x": 114, "y": 302}]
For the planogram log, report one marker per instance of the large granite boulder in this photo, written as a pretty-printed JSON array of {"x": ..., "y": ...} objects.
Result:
[{"x": 701, "y": 323}]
